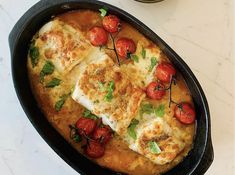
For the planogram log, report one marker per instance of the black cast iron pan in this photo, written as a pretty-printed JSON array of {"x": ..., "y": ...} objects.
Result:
[{"x": 199, "y": 158}]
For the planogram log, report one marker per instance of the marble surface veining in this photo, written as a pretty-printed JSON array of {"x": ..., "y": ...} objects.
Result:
[{"x": 200, "y": 31}]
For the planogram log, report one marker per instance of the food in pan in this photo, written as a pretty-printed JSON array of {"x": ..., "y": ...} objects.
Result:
[{"x": 111, "y": 92}]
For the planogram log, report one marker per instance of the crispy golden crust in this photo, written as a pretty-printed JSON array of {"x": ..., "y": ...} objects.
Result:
[
  {"x": 62, "y": 44},
  {"x": 126, "y": 98}
]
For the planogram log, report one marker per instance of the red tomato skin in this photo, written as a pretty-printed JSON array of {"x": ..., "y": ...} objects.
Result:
[
  {"x": 154, "y": 93},
  {"x": 98, "y": 36},
  {"x": 103, "y": 134},
  {"x": 85, "y": 125},
  {"x": 164, "y": 72},
  {"x": 125, "y": 46},
  {"x": 186, "y": 114},
  {"x": 94, "y": 149},
  {"x": 111, "y": 23}
]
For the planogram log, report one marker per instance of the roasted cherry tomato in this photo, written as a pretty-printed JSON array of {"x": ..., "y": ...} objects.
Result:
[
  {"x": 155, "y": 91},
  {"x": 98, "y": 36},
  {"x": 102, "y": 135},
  {"x": 85, "y": 125},
  {"x": 185, "y": 113},
  {"x": 164, "y": 72},
  {"x": 111, "y": 23},
  {"x": 125, "y": 46},
  {"x": 94, "y": 149}
]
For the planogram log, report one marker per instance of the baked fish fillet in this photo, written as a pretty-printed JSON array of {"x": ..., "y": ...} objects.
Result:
[
  {"x": 63, "y": 45},
  {"x": 107, "y": 92}
]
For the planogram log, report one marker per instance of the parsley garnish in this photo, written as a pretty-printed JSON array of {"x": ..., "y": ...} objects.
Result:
[
  {"x": 88, "y": 114},
  {"x": 143, "y": 53},
  {"x": 54, "y": 82},
  {"x": 153, "y": 63},
  {"x": 131, "y": 128},
  {"x": 160, "y": 111},
  {"x": 59, "y": 104},
  {"x": 154, "y": 148},
  {"x": 47, "y": 69},
  {"x": 103, "y": 12},
  {"x": 109, "y": 96},
  {"x": 34, "y": 54},
  {"x": 135, "y": 58}
]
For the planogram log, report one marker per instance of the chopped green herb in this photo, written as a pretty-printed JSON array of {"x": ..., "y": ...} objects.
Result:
[
  {"x": 34, "y": 54},
  {"x": 149, "y": 109},
  {"x": 153, "y": 63},
  {"x": 103, "y": 12},
  {"x": 109, "y": 96},
  {"x": 59, "y": 104},
  {"x": 135, "y": 58},
  {"x": 131, "y": 128},
  {"x": 143, "y": 53},
  {"x": 160, "y": 111},
  {"x": 146, "y": 108},
  {"x": 88, "y": 114},
  {"x": 154, "y": 148},
  {"x": 101, "y": 86},
  {"x": 54, "y": 82},
  {"x": 47, "y": 69}
]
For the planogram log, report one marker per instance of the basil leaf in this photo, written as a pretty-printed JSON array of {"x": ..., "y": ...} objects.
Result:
[
  {"x": 59, "y": 104},
  {"x": 54, "y": 82},
  {"x": 153, "y": 63},
  {"x": 131, "y": 129},
  {"x": 88, "y": 114},
  {"x": 154, "y": 148},
  {"x": 160, "y": 110},
  {"x": 109, "y": 96},
  {"x": 146, "y": 108},
  {"x": 103, "y": 12},
  {"x": 135, "y": 58},
  {"x": 34, "y": 55},
  {"x": 47, "y": 69},
  {"x": 143, "y": 53},
  {"x": 149, "y": 109}
]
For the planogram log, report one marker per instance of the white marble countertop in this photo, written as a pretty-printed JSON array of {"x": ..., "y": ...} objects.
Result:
[{"x": 200, "y": 31}]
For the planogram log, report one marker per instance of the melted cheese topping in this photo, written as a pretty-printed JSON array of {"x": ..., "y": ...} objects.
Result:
[
  {"x": 140, "y": 72},
  {"x": 126, "y": 97},
  {"x": 157, "y": 130},
  {"x": 63, "y": 45}
]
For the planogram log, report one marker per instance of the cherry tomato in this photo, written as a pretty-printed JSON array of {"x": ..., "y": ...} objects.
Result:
[
  {"x": 98, "y": 36},
  {"x": 155, "y": 91},
  {"x": 85, "y": 125},
  {"x": 111, "y": 23},
  {"x": 94, "y": 149},
  {"x": 185, "y": 113},
  {"x": 164, "y": 72},
  {"x": 125, "y": 46},
  {"x": 103, "y": 135}
]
